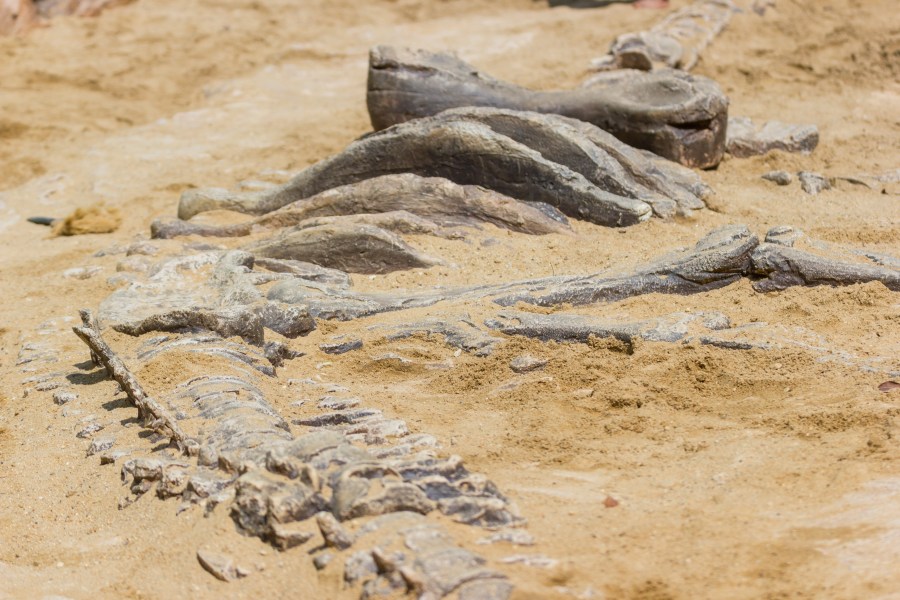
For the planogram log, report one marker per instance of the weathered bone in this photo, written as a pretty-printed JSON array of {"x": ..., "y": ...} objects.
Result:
[
  {"x": 304, "y": 270},
  {"x": 671, "y": 113},
  {"x": 580, "y": 328},
  {"x": 455, "y": 145},
  {"x": 148, "y": 408},
  {"x": 355, "y": 248},
  {"x": 433, "y": 198},
  {"x": 247, "y": 457},
  {"x": 788, "y": 258},
  {"x": 746, "y": 139},
  {"x": 225, "y": 302},
  {"x": 459, "y": 333},
  {"x": 718, "y": 259},
  {"x": 675, "y": 42}
]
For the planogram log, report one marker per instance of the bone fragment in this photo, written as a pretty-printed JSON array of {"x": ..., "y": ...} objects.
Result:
[{"x": 788, "y": 258}]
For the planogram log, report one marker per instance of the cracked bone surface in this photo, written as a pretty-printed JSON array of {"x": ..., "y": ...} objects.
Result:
[
  {"x": 434, "y": 199},
  {"x": 718, "y": 259},
  {"x": 671, "y": 113},
  {"x": 788, "y": 257},
  {"x": 675, "y": 42},
  {"x": 339, "y": 467},
  {"x": 541, "y": 159},
  {"x": 354, "y": 248}
]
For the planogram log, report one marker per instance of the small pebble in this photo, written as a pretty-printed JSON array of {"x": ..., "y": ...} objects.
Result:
[
  {"x": 89, "y": 430},
  {"x": 341, "y": 347},
  {"x": 779, "y": 177},
  {"x": 812, "y": 183},
  {"x": 100, "y": 444},
  {"x": 61, "y": 397},
  {"x": 527, "y": 363},
  {"x": 81, "y": 272},
  {"x": 322, "y": 560}
]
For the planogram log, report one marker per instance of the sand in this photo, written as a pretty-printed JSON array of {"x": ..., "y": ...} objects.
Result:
[{"x": 733, "y": 474}]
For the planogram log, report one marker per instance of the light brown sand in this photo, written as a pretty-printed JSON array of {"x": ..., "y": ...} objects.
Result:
[{"x": 738, "y": 474}]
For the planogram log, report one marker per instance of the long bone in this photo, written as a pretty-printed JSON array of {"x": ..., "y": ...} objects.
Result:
[{"x": 673, "y": 114}]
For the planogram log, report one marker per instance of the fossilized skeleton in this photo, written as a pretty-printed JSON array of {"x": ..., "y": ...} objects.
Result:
[{"x": 362, "y": 477}]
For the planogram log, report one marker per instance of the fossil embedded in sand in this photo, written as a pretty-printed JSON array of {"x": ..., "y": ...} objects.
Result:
[
  {"x": 275, "y": 478},
  {"x": 788, "y": 258},
  {"x": 671, "y": 113},
  {"x": 540, "y": 159}
]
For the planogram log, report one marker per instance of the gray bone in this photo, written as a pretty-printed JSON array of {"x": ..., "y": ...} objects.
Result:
[
  {"x": 670, "y": 113},
  {"x": 788, "y": 258}
]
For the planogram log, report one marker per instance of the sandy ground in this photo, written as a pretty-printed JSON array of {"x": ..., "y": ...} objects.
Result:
[{"x": 739, "y": 474}]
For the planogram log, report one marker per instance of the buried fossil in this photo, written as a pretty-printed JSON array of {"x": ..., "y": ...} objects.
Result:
[
  {"x": 543, "y": 160},
  {"x": 347, "y": 464}
]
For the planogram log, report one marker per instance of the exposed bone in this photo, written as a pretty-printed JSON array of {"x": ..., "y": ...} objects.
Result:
[
  {"x": 437, "y": 566},
  {"x": 454, "y": 145},
  {"x": 148, "y": 408},
  {"x": 273, "y": 481},
  {"x": 461, "y": 333},
  {"x": 225, "y": 302},
  {"x": 788, "y": 257},
  {"x": 676, "y": 42},
  {"x": 746, "y": 139},
  {"x": 673, "y": 114},
  {"x": 433, "y": 198},
  {"x": 351, "y": 248},
  {"x": 305, "y": 270},
  {"x": 580, "y": 328},
  {"x": 718, "y": 259}
]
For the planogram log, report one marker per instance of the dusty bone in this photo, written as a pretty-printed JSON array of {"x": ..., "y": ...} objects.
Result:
[
  {"x": 450, "y": 145},
  {"x": 599, "y": 157},
  {"x": 746, "y": 139},
  {"x": 399, "y": 221},
  {"x": 148, "y": 408},
  {"x": 459, "y": 333},
  {"x": 352, "y": 248},
  {"x": 718, "y": 259},
  {"x": 580, "y": 328},
  {"x": 673, "y": 114},
  {"x": 788, "y": 258},
  {"x": 304, "y": 270},
  {"x": 433, "y": 198},
  {"x": 676, "y": 42},
  {"x": 225, "y": 302},
  {"x": 428, "y": 562},
  {"x": 278, "y": 477}
]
